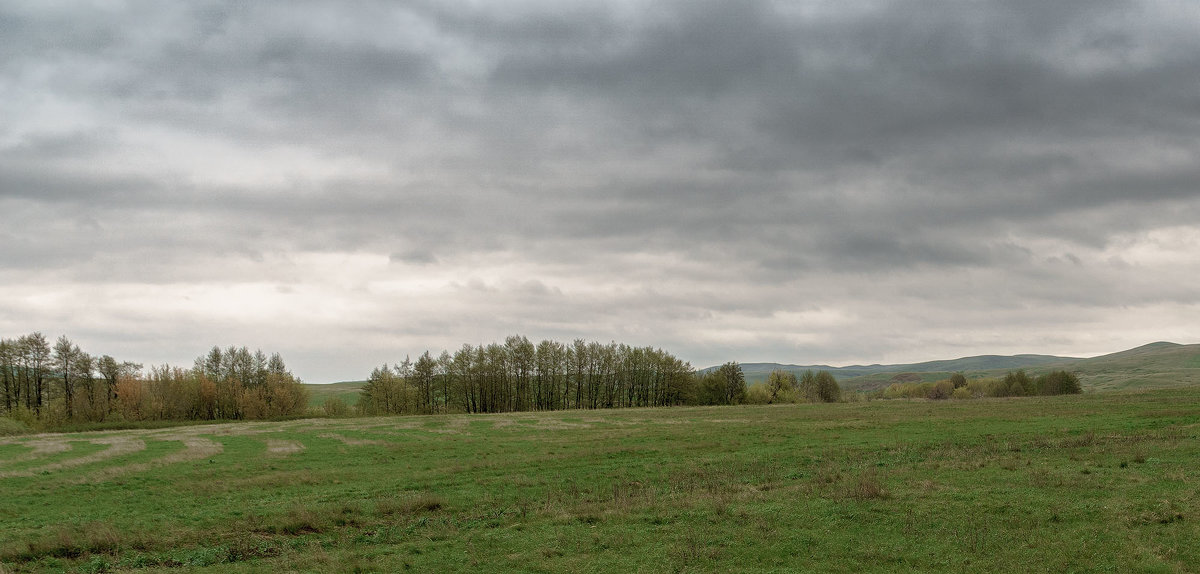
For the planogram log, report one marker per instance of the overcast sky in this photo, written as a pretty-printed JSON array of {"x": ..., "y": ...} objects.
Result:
[{"x": 802, "y": 182}]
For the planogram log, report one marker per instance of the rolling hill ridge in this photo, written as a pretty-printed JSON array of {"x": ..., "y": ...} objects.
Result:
[{"x": 1156, "y": 365}]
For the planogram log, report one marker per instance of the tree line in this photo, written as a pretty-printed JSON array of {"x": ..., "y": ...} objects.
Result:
[
  {"x": 49, "y": 384},
  {"x": 37, "y": 377},
  {"x": 519, "y": 375},
  {"x": 1014, "y": 384}
]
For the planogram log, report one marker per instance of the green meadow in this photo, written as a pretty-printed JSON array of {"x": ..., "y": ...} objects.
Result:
[
  {"x": 347, "y": 392},
  {"x": 1100, "y": 482}
]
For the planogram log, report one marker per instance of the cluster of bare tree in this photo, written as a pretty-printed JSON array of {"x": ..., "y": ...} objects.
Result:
[
  {"x": 36, "y": 377},
  {"x": 224, "y": 384},
  {"x": 63, "y": 383},
  {"x": 521, "y": 376}
]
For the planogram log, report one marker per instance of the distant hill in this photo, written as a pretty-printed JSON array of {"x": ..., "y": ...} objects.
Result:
[
  {"x": 1152, "y": 366},
  {"x": 1156, "y": 365}
]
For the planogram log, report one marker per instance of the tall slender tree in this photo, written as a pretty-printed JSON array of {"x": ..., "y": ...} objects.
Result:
[
  {"x": 8, "y": 374},
  {"x": 423, "y": 373},
  {"x": 37, "y": 360},
  {"x": 64, "y": 362}
]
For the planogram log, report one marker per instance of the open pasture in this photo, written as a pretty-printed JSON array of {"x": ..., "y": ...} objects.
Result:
[{"x": 1097, "y": 482}]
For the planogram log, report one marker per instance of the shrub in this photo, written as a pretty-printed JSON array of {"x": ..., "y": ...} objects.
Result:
[
  {"x": 1019, "y": 384},
  {"x": 10, "y": 427},
  {"x": 941, "y": 390},
  {"x": 908, "y": 391},
  {"x": 782, "y": 387},
  {"x": 335, "y": 407},
  {"x": 758, "y": 394},
  {"x": 855, "y": 397},
  {"x": 1058, "y": 383},
  {"x": 827, "y": 388}
]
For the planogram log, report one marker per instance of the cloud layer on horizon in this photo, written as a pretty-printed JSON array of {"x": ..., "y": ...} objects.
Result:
[{"x": 751, "y": 180}]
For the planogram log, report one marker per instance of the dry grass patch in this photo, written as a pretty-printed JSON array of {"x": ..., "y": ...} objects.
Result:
[
  {"x": 194, "y": 448},
  {"x": 867, "y": 486},
  {"x": 46, "y": 446},
  {"x": 283, "y": 447},
  {"x": 279, "y": 479},
  {"x": 409, "y": 504},
  {"x": 118, "y": 446},
  {"x": 837, "y": 484},
  {"x": 352, "y": 441},
  {"x": 38, "y": 448},
  {"x": 73, "y": 541}
]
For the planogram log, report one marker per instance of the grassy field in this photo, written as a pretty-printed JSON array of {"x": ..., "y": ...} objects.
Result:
[
  {"x": 348, "y": 391},
  {"x": 1096, "y": 482}
]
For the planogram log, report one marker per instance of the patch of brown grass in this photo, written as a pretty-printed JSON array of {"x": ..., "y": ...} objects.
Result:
[
  {"x": 866, "y": 486},
  {"x": 73, "y": 541},
  {"x": 304, "y": 519},
  {"x": 832, "y": 482},
  {"x": 691, "y": 551},
  {"x": 409, "y": 504},
  {"x": 118, "y": 446}
]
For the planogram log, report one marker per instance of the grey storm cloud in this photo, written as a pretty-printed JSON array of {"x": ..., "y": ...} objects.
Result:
[{"x": 736, "y": 179}]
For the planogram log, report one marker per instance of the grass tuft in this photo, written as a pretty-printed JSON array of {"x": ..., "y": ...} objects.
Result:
[
  {"x": 866, "y": 486},
  {"x": 73, "y": 541},
  {"x": 410, "y": 503}
]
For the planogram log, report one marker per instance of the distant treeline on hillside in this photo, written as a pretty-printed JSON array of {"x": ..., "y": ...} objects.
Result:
[{"x": 1014, "y": 384}]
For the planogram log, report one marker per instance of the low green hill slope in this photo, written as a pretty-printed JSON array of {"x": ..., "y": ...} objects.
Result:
[
  {"x": 347, "y": 391},
  {"x": 1157, "y": 365}
]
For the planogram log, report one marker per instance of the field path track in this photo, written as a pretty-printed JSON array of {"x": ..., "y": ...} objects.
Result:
[
  {"x": 194, "y": 448},
  {"x": 118, "y": 446}
]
